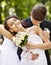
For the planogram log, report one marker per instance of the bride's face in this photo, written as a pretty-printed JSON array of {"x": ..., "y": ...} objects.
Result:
[{"x": 14, "y": 25}]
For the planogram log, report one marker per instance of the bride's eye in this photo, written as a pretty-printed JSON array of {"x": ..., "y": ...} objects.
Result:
[{"x": 12, "y": 23}]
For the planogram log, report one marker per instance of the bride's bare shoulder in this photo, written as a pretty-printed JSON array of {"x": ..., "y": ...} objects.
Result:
[
  {"x": 30, "y": 29},
  {"x": 34, "y": 27}
]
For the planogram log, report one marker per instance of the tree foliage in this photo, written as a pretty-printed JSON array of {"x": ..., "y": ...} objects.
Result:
[{"x": 21, "y": 8}]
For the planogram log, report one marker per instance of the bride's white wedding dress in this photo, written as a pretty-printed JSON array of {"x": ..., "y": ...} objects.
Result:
[
  {"x": 34, "y": 39},
  {"x": 9, "y": 53}
]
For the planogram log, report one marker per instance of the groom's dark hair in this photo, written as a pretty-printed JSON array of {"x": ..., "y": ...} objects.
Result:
[{"x": 39, "y": 12}]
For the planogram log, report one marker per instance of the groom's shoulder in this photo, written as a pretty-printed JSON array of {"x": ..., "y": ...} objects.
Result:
[
  {"x": 46, "y": 22},
  {"x": 26, "y": 22}
]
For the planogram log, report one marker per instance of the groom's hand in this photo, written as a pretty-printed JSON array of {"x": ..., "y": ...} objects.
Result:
[{"x": 34, "y": 56}]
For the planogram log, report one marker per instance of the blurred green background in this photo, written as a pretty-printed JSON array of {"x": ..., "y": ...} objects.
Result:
[{"x": 21, "y": 8}]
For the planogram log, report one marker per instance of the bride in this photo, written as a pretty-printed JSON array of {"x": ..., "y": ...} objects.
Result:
[
  {"x": 8, "y": 54},
  {"x": 35, "y": 37}
]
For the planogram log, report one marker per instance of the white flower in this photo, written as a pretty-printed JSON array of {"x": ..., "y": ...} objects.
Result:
[
  {"x": 20, "y": 37},
  {"x": 18, "y": 42}
]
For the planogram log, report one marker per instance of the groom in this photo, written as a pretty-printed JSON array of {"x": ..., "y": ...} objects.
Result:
[{"x": 38, "y": 13}]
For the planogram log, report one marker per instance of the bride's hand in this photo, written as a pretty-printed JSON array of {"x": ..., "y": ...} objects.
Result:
[
  {"x": 45, "y": 37},
  {"x": 46, "y": 34},
  {"x": 29, "y": 46}
]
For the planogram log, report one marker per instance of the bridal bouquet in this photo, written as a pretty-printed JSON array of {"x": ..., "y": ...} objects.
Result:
[{"x": 20, "y": 39}]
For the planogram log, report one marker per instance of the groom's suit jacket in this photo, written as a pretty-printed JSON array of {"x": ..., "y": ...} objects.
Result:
[{"x": 45, "y": 24}]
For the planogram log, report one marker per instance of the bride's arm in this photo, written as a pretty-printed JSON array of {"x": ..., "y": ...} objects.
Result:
[
  {"x": 5, "y": 33},
  {"x": 41, "y": 33},
  {"x": 46, "y": 42},
  {"x": 43, "y": 46}
]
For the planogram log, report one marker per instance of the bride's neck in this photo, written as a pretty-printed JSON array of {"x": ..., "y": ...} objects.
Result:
[{"x": 25, "y": 29}]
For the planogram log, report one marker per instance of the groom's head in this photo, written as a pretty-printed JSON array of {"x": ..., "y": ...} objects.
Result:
[{"x": 38, "y": 13}]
